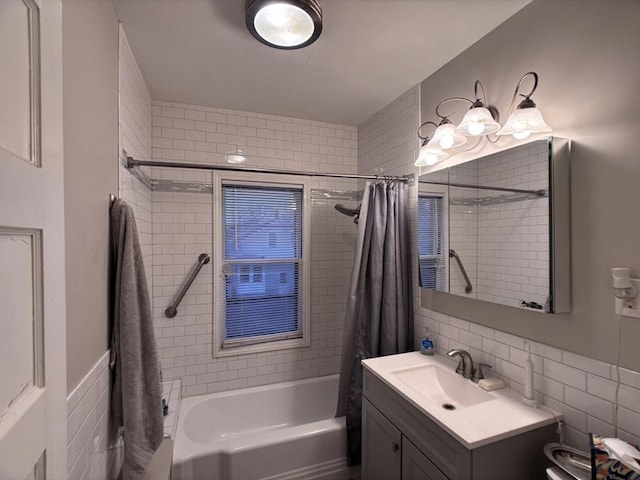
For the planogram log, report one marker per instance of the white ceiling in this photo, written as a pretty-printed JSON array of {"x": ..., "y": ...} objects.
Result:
[{"x": 370, "y": 52}]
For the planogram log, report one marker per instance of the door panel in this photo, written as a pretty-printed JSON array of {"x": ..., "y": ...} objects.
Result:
[
  {"x": 32, "y": 314},
  {"x": 416, "y": 466},
  {"x": 20, "y": 79},
  {"x": 21, "y": 320},
  {"x": 381, "y": 442}
]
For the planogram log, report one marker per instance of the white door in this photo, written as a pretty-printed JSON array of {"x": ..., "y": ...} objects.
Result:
[{"x": 32, "y": 313}]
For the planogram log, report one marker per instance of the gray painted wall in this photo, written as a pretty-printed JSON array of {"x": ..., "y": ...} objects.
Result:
[
  {"x": 587, "y": 53},
  {"x": 90, "y": 80}
]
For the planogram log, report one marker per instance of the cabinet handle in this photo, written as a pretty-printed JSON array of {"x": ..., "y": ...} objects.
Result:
[{"x": 395, "y": 447}]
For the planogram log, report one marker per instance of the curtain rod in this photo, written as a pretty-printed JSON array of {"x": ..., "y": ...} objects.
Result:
[
  {"x": 538, "y": 193},
  {"x": 132, "y": 162}
]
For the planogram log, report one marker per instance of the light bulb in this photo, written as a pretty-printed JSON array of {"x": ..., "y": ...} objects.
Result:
[
  {"x": 431, "y": 159},
  {"x": 476, "y": 128},
  {"x": 446, "y": 141},
  {"x": 430, "y": 156},
  {"x": 521, "y": 135},
  {"x": 283, "y": 24}
]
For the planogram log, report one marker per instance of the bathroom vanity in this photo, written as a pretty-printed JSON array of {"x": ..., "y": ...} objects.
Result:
[{"x": 420, "y": 420}]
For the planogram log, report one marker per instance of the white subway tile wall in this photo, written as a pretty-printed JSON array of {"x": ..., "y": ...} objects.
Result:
[
  {"x": 88, "y": 452},
  {"x": 135, "y": 137},
  {"x": 387, "y": 142},
  {"x": 581, "y": 388},
  {"x": 182, "y": 229}
]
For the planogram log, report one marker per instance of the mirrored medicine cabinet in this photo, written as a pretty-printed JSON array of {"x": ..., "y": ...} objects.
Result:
[{"x": 497, "y": 228}]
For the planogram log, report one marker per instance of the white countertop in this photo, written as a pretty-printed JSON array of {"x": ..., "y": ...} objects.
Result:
[{"x": 501, "y": 417}]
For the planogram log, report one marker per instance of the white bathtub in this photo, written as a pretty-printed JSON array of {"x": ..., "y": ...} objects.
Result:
[{"x": 284, "y": 431}]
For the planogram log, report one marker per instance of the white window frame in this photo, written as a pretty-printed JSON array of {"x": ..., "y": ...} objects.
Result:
[
  {"x": 259, "y": 180},
  {"x": 443, "y": 192}
]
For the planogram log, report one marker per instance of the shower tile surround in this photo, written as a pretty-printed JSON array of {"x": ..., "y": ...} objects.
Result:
[{"x": 182, "y": 229}]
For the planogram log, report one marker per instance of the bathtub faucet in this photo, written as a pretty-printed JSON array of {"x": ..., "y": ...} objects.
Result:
[{"x": 465, "y": 366}]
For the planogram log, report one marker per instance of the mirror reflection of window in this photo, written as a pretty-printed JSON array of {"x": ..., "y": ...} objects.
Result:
[{"x": 431, "y": 243}]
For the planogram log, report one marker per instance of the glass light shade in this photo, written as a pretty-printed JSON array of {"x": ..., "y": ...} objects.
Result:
[
  {"x": 235, "y": 158},
  {"x": 445, "y": 136},
  {"x": 477, "y": 121},
  {"x": 430, "y": 156},
  {"x": 523, "y": 122},
  {"x": 283, "y": 24}
]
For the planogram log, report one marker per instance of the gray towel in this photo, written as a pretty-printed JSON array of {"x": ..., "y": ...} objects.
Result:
[{"x": 136, "y": 398}]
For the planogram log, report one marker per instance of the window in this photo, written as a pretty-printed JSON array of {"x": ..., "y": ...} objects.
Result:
[
  {"x": 431, "y": 241},
  {"x": 261, "y": 266}
]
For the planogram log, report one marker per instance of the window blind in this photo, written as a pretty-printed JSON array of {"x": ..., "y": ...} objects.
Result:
[
  {"x": 262, "y": 255},
  {"x": 431, "y": 242}
]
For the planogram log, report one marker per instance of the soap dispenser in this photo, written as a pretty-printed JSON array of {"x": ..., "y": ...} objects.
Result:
[{"x": 529, "y": 397}]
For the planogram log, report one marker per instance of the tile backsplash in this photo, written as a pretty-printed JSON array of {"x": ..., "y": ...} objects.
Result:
[{"x": 581, "y": 388}]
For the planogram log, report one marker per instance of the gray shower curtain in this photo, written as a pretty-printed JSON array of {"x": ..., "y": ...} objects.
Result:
[{"x": 379, "y": 319}]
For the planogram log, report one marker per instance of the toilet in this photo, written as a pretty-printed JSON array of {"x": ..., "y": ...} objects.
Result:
[
  {"x": 569, "y": 463},
  {"x": 556, "y": 473}
]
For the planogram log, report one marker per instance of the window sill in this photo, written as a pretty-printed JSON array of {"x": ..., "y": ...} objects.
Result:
[{"x": 260, "y": 347}]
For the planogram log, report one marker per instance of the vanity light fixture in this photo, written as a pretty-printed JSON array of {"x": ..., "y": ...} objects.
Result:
[
  {"x": 284, "y": 24},
  {"x": 526, "y": 119},
  {"x": 429, "y": 155},
  {"x": 481, "y": 120}
]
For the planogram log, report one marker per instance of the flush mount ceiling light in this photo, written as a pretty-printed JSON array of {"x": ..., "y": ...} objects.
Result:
[{"x": 284, "y": 24}]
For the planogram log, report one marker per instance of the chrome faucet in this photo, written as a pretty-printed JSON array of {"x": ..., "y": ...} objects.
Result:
[{"x": 466, "y": 367}]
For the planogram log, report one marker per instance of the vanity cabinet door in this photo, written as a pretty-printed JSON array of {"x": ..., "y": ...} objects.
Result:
[
  {"x": 381, "y": 444},
  {"x": 416, "y": 466}
]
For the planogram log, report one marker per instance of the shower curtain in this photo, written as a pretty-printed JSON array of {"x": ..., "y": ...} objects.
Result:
[{"x": 379, "y": 318}]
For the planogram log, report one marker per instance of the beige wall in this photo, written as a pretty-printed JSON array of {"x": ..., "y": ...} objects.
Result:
[
  {"x": 90, "y": 77},
  {"x": 587, "y": 53}
]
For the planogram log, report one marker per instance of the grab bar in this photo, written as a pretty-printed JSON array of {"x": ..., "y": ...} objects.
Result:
[
  {"x": 468, "y": 288},
  {"x": 172, "y": 310}
]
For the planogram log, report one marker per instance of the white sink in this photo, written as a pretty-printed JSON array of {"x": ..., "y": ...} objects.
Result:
[
  {"x": 480, "y": 418},
  {"x": 441, "y": 386}
]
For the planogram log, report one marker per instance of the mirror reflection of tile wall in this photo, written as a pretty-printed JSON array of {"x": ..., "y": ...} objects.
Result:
[
  {"x": 513, "y": 235},
  {"x": 498, "y": 226}
]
